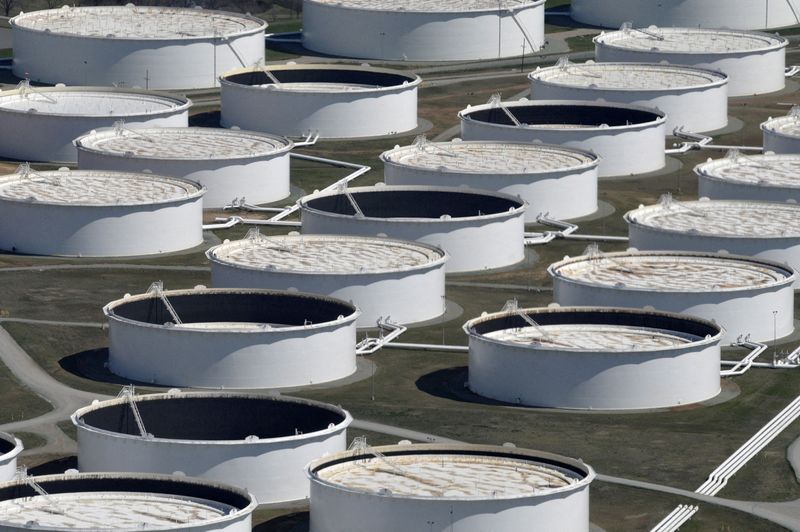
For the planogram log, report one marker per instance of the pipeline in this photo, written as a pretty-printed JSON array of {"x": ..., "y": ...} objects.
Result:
[
  {"x": 696, "y": 141},
  {"x": 741, "y": 367},
  {"x": 565, "y": 231}
]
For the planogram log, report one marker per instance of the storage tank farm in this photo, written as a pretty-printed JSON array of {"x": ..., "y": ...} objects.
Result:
[
  {"x": 383, "y": 277},
  {"x": 134, "y": 46},
  {"x": 423, "y": 30},
  {"x": 40, "y": 123},
  {"x": 554, "y": 180},
  {"x": 693, "y": 99},
  {"x": 260, "y": 443},
  {"x": 745, "y": 295},
  {"x": 754, "y": 62},
  {"x": 332, "y": 101},
  {"x": 123, "y": 501},
  {"x": 457, "y": 220},
  {"x": 743, "y": 177},
  {"x": 782, "y": 134},
  {"x": 231, "y": 338},
  {"x": 398, "y": 488},
  {"x": 10, "y": 447},
  {"x": 629, "y": 139},
  {"x": 230, "y": 164},
  {"x": 98, "y": 213}
]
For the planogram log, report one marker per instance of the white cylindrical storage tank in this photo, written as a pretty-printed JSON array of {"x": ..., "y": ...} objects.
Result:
[
  {"x": 751, "y": 228},
  {"x": 96, "y": 213},
  {"x": 231, "y": 338},
  {"x": 39, "y": 124},
  {"x": 750, "y": 177},
  {"x": 134, "y": 46},
  {"x": 745, "y": 295},
  {"x": 628, "y": 139},
  {"x": 458, "y": 220},
  {"x": 230, "y": 164},
  {"x": 124, "y": 501},
  {"x": 738, "y": 14},
  {"x": 559, "y": 181},
  {"x": 782, "y": 134},
  {"x": 258, "y": 442},
  {"x": 755, "y": 62},
  {"x": 334, "y": 101},
  {"x": 384, "y": 278},
  {"x": 423, "y": 30},
  {"x": 593, "y": 358},
  {"x": 693, "y": 99},
  {"x": 10, "y": 447},
  {"x": 443, "y": 487}
]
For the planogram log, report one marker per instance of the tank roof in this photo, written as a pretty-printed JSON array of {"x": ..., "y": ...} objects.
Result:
[
  {"x": 183, "y": 143},
  {"x": 504, "y": 158},
  {"x": 321, "y": 78},
  {"x": 432, "y": 6},
  {"x": 627, "y": 76},
  {"x": 691, "y": 40},
  {"x": 326, "y": 254},
  {"x": 788, "y": 126},
  {"x": 761, "y": 170},
  {"x": 666, "y": 271},
  {"x": 138, "y": 22},
  {"x": 111, "y": 102},
  {"x": 96, "y": 188},
  {"x": 721, "y": 218}
]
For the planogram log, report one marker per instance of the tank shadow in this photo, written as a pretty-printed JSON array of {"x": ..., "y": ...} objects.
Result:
[
  {"x": 55, "y": 467},
  {"x": 295, "y": 522},
  {"x": 93, "y": 365},
  {"x": 450, "y": 383},
  {"x": 205, "y": 119}
]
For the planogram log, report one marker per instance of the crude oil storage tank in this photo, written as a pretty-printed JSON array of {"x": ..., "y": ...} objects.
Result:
[
  {"x": 124, "y": 502},
  {"x": 10, "y": 447},
  {"x": 693, "y": 98},
  {"x": 258, "y": 442},
  {"x": 134, "y": 46},
  {"x": 628, "y": 139},
  {"x": 752, "y": 228},
  {"x": 593, "y": 358},
  {"x": 97, "y": 213},
  {"x": 457, "y": 220},
  {"x": 782, "y": 134},
  {"x": 745, "y": 295},
  {"x": 755, "y": 62},
  {"x": 231, "y": 338},
  {"x": 334, "y": 101},
  {"x": 39, "y": 124},
  {"x": 552, "y": 179},
  {"x": 442, "y": 487},
  {"x": 231, "y": 164},
  {"x": 384, "y": 278},
  {"x": 423, "y": 30},
  {"x": 738, "y": 14},
  {"x": 750, "y": 177}
]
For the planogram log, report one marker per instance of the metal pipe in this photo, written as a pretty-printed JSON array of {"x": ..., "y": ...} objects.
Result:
[{"x": 429, "y": 347}]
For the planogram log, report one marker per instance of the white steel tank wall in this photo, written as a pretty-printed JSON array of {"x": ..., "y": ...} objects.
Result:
[
  {"x": 736, "y": 14},
  {"x": 749, "y": 73},
  {"x": 776, "y": 142},
  {"x": 408, "y": 297},
  {"x": 715, "y": 188},
  {"x": 8, "y": 461},
  {"x": 277, "y": 358},
  {"x": 101, "y": 231},
  {"x": 260, "y": 179},
  {"x": 49, "y": 57},
  {"x": 419, "y": 36}
]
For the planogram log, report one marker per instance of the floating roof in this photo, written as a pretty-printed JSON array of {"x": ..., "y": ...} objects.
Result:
[
  {"x": 761, "y": 170},
  {"x": 691, "y": 40},
  {"x": 627, "y": 76},
  {"x": 433, "y": 6},
  {"x": 90, "y": 101}
]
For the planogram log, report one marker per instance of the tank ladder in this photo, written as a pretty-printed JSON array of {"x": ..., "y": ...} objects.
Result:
[
  {"x": 519, "y": 24},
  {"x": 512, "y": 305},
  {"x": 628, "y": 26},
  {"x": 128, "y": 392},
  {"x": 342, "y": 189},
  {"x": 22, "y": 474},
  {"x": 495, "y": 101},
  {"x": 593, "y": 252},
  {"x": 157, "y": 288},
  {"x": 25, "y": 89}
]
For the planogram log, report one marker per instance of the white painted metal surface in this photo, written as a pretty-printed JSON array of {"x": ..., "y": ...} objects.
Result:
[
  {"x": 591, "y": 358},
  {"x": 470, "y": 488},
  {"x": 11, "y": 447},
  {"x": 628, "y": 139},
  {"x": 39, "y": 124},
  {"x": 258, "y": 442},
  {"x": 755, "y": 62},
  {"x": 334, "y": 101},
  {"x": 737, "y": 14},
  {"x": 750, "y": 177},
  {"x": 94, "y": 213},
  {"x": 457, "y": 220},
  {"x": 119, "y": 501},
  {"x": 745, "y": 295},
  {"x": 230, "y": 164},
  {"x": 382, "y": 277},
  {"x": 552, "y": 179},
  {"x": 692, "y": 98},
  {"x": 782, "y": 134},
  {"x": 232, "y": 338},
  {"x": 134, "y": 46},
  {"x": 422, "y": 30}
]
